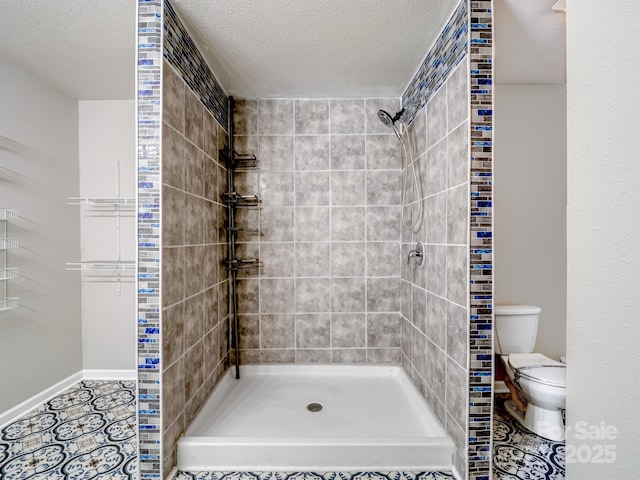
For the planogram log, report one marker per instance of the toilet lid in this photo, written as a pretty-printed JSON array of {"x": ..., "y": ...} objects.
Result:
[{"x": 538, "y": 368}]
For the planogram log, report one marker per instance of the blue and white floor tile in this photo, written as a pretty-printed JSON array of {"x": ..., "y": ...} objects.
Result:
[
  {"x": 87, "y": 432},
  {"x": 312, "y": 476},
  {"x": 521, "y": 455}
]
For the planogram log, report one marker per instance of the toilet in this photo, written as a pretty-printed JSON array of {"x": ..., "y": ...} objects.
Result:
[{"x": 539, "y": 379}]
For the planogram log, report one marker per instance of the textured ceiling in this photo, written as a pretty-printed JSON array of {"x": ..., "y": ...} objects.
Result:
[
  {"x": 84, "y": 48},
  {"x": 272, "y": 48},
  {"x": 315, "y": 48}
]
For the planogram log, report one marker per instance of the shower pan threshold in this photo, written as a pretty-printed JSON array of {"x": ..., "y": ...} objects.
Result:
[{"x": 315, "y": 418}]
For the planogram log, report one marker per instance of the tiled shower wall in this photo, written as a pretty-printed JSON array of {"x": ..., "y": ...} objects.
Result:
[
  {"x": 435, "y": 295},
  {"x": 317, "y": 336},
  {"x": 195, "y": 288},
  {"x": 329, "y": 232}
]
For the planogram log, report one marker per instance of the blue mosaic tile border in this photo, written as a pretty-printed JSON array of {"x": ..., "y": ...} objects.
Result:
[
  {"x": 183, "y": 54},
  {"x": 481, "y": 240},
  {"x": 149, "y": 109},
  {"x": 445, "y": 54}
]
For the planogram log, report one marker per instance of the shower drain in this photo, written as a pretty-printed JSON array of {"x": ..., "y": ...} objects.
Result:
[{"x": 314, "y": 407}]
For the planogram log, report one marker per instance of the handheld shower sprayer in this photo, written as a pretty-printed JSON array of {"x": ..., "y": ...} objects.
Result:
[
  {"x": 409, "y": 163},
  {"x": 386, "y": 118}
]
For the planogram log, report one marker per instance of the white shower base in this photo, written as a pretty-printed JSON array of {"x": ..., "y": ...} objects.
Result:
[{"x": 371, "y": 417}]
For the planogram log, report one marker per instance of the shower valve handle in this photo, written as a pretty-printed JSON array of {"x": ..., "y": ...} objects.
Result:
[{"x": 417, "y": 253}]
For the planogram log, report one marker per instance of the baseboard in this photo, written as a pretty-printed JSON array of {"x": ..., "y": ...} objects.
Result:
[
  {"x": 29, "y": 404},
  {"x": 109, "y": 374},
  {"x": 39, "y": 398}
]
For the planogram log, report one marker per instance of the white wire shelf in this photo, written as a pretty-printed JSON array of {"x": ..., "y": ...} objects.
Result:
[
  {"x": 8, "y": 214},
  {"x": 102, "y": 201},
  {"x": 8, "y": 273},
  {"x": 102, "y": 265},
  {"x": 8, "y": 243},
  {"x": 8, "y": 303}
]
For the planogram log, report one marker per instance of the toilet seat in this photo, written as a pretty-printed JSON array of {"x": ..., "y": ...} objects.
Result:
[{"x": 535, "y": 367}]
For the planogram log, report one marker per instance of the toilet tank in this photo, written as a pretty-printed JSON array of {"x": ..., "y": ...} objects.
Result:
[{"x": 516, "y": 328}]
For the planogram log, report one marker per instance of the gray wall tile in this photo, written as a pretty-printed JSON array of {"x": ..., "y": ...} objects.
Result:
[
  {"x": 313, "y": 259},
  {"x": 277, "y": 295},
  {"x": 277, "y": 259},
  {"x": 348, "y": 355},
  {"x": 383, "y": 223},
  {"x": 276, "y": 188},
  {"x": 277, "y": 356},
  {"x": 457, "y": 97},
  {"x": 348, "y": 295},
  {"x": 313, "y": 295},
  {"x": 383, "y": 330},
  {"x": 312, "y": 188},
  {"x": 348, "y": 330},
  {"x": 383, "y": 355},
  {"x": 348, "y": 152},
  {"x": 384, "y": 187},
  {"x": 383, "y": 152},
  {"x": 383, "y": 258},
  {"x": 312, "y": 116},
  {"x": 312, "y": 152},
  {"x": 457, "y": 274},
  {"x": 347, "y": 116},
  {"x": 384, "y": 294},
  {"x": 312, "y": 224},
  {"x": 313, "y": 331},
  {"x": 458, "y": 156},
  {"x": 245, "y": 117},
  {"x": 347, "y": 259},
  {"x": 311, "y": 355},
  {"x": 437, "y": 117},
  {"x": 348, "y": 188},
  {"x": 276, "y": 152},
  {"x": 277, "y": 331},
  {"x": 348, "y": 224},
  {"x": 275, "y": 117},
  {"x": 277, "y": 224},
  {"x": 458, "y": 215},
  {"x": 173, "y": 98}
]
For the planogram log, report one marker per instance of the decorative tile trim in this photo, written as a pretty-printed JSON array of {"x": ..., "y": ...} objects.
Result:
[
  {"x": 312, "y": 475},
  {"x": 149, "y": 109},
  {"x": 481, "y": 241},
  {"x": 183, "y": 54},
  {"x": 448, "y": 51}
]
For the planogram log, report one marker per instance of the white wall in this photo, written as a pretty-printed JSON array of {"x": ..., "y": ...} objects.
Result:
[
  {"x": 107, "y": 136},
  {"x": 40, "y": 342},
  {"x": 530, "y": 205},
  {"x": 603, "y": 228}
]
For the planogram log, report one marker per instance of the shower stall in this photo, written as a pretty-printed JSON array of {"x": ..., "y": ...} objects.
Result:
[{"x": 336, "y": 284}]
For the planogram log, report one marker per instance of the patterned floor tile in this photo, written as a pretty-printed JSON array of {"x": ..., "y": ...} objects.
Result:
[
  {"x": 521, "y": 455},
  {"x": 312, "y": 476},
  {"x": 89, "y": 431}
]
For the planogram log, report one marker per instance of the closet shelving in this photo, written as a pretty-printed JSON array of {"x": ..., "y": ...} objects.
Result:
[
  {"x": 117, "y": 206},
  {"x": 6, "y": 273},
  {"x": 233, "y": 200}
]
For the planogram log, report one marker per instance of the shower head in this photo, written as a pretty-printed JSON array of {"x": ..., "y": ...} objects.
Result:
[{"x": 387, "y": 119}]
